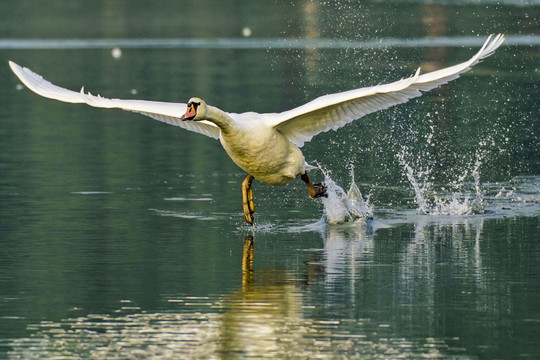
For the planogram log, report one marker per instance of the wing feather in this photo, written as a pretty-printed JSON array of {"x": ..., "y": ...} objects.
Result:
[
  {"x": 336, "y": 110},
  {"x": 166, "y": 112}
]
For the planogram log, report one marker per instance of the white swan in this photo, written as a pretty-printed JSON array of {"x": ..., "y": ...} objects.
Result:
[{"x": 267, "y": 146}]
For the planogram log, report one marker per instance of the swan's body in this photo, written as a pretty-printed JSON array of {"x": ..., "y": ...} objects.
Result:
[
  {"x": 259, "y": 150},
  {"x": 267, "y": 146}
]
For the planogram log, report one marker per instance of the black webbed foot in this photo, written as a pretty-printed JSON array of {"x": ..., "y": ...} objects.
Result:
[{"x": 320, "y": 190}]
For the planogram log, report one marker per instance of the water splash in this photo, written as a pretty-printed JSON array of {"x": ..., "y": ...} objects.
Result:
[
  {"x": 341, "y": 206},
  {"x": 432, "y": 200}
]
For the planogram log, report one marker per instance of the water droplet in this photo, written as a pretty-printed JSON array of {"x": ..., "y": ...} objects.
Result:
[
  {"x": 116, "y": 53},
  {"x": 246, "y": 32}
]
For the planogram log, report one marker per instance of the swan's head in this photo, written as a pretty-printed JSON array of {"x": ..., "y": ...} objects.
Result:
[{"x": 196, "y": 110}]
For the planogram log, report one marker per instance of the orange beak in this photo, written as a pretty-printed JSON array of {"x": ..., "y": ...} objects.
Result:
[{"x": 190, "y": 114}]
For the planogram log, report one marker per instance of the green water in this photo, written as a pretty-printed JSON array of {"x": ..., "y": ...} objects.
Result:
[{"x": 121, "y": 237}]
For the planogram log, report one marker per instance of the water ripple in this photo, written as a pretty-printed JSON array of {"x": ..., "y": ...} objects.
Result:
[{"x": 243, "y": 327}]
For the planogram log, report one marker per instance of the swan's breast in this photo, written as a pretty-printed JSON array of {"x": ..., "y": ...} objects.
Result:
[{"x": 264, "y": 153}]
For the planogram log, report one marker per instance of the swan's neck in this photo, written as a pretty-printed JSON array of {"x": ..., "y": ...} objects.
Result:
[{"x": 219, "y": 117}]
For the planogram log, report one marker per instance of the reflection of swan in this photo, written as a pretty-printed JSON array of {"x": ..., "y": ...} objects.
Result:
[
  {"x": 265, "y": 310},
  {"x": 345, "y": 246},
  {"x": 267, "y": 317},
  {"x": 267, "y": 146}
]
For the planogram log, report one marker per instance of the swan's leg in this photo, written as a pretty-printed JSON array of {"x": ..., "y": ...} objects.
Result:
[
  {"x": 315, "y": 190},
  {"x": 247, "y": 262},
  {"x": 247, "y": 199}
]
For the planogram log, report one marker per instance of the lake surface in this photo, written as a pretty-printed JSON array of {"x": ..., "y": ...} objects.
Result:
[{"x": 122, "y": 237}]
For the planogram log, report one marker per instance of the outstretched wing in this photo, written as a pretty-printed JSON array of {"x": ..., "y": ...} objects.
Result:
[
  {"x": 336, "y": 110},
  {"x": 169, "y": 113}
]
